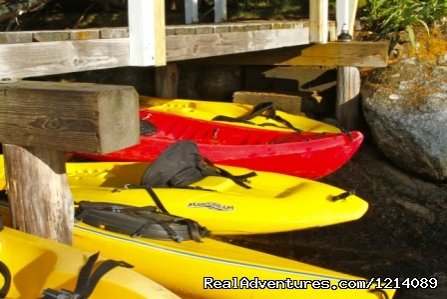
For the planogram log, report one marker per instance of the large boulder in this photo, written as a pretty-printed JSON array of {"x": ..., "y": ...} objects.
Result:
[{"x": 405, "y": 106}]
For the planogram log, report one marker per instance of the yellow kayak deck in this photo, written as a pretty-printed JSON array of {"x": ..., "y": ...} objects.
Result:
[
  {"x": 37, "y": 264},
  {"x": 207, "y": 110},
  {"x": 276, "y": 202},
  {"x": 213, "y": 269}
]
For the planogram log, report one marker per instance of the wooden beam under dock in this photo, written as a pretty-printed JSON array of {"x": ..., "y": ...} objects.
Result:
[{"x": 331, "y": 54}]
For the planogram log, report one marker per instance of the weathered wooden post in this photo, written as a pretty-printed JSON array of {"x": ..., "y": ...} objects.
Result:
[
  {"x": 166, "y": 81},
  {"x": 348, "y": 77},
  {"x": 39, "y": 121},
  {"x": 348, "y": 96}
]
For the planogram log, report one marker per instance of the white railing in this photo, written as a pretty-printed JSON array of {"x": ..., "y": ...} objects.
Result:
[
  {"x": 345, "y": 17},
  {"x": 192, "y": 11},
  {"x": 147, "y": 41},
  {"x": 318, "y": 16}
]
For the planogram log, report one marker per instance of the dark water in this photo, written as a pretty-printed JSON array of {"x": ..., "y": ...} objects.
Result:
[{"x": 403, "y": 234}]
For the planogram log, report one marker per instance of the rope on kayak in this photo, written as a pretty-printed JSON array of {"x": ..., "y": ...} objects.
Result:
[
  {"x": 4, "y": 271},
  {"x": 343, "y": 195},
  {"x": 266, "y": 109},
  {"x": 87, "y": 280}
]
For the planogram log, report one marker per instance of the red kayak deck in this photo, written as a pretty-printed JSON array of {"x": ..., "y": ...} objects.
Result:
[{"x": 305, "y": 154}]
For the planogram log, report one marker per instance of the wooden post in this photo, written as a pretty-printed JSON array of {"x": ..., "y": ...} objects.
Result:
[
  {"x": 220, "y": 11},
  {"x": 348, "y": 91},
  {"x": 147, "y": 35},
  {"x": 38, "y": 192},
  {"x": 39, "y": 121},
  {"x": 166, "y": 81},
  {"x": 318, "y": 27},
  {"x": 191, "y": 11},
  {"x": 348, "y": 77}
]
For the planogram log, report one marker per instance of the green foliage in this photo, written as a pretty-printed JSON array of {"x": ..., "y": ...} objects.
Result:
[
  {"x": 269, "y": 9},
  {"x": 389, "y": 17}
]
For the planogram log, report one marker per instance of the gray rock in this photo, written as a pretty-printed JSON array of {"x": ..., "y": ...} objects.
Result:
[{"x": 405, "y": 106}]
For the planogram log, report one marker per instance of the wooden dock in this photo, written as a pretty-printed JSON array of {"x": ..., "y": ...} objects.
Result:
[{"x": 38, "y": 53}]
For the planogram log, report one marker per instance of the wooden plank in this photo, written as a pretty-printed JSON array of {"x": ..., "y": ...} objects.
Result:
[
  {"x": 50, "y": 36},
  {"x": 119, "y": 32},
  {"x": 69, "y": 116},
  {"x": 220, "y": 11},
  {"x": 191, "y": 11},
  {"x": 38, "y": 192},
  {"x": 371, "y": 54},
  {"x": 185, "y": 29},
  {"x": 348, "y": 91},
  {"x": 319, "y": 10},
  {"x": 181, "y": 47},
  {"x": 147, "y": 32},
  {"x": 47, "y": 58},
  {"x": 16, "y": 37},
  {"x": 225, "y": 28},
  {"x": 166, "y": 81},
  {"x": 284, "y": 102},
  {"x": 123, "y": 32},
  {"x": 83, "y": 34},
  {"x": 331, "y": 54}
]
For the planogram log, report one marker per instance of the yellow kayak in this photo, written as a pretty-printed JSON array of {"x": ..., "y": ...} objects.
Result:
[
  {"x": 275, "y": 202},
  {"x": 207, "y": 110},
  {"x": 213, "y": 269},
  {"x": 36, "y": 264}
]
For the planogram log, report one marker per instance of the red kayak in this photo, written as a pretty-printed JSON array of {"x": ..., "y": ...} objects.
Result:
[{"x": 304, "y": 154}]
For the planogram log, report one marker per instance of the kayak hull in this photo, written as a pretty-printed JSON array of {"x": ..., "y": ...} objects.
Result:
[
  {"x": 200, "y": 266},
  {"x": 308, "y": 155},
  {"x": 207, "y": 110},
  {"x": 212, "y": 269},
  {"x": 37, "y": 264},
  {"x": 275, "y": 202}
]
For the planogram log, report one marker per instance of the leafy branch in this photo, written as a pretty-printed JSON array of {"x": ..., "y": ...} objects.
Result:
[{"x": 389, "y": 17}]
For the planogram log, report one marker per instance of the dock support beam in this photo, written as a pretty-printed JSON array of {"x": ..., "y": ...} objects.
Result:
[
  {"x": 166, "y": 81},
  {"x": 39, "y": 196},
  {"x": 348, "y": 97},
  {"x": 348, "y": 77},
  {"x": 39, "y": 122}
]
